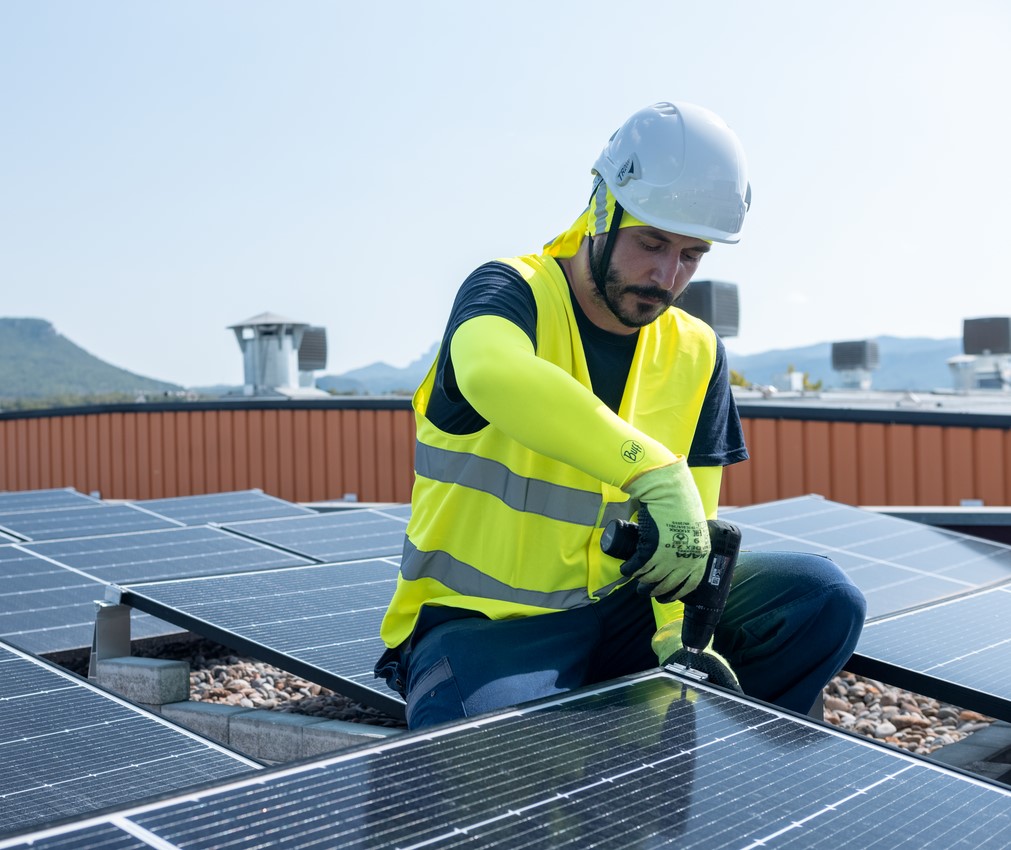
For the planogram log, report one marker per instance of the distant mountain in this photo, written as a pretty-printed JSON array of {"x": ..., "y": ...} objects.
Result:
[
  {"x": 380, "y": 378},
  {"x": 906, "y": 364},
  {"x": 37, "y": 362}
]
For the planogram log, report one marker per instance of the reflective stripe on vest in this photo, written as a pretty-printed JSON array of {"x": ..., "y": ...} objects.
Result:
[
  {"x": 529, "y": 495},
  {"x": 467, "y": 581}
]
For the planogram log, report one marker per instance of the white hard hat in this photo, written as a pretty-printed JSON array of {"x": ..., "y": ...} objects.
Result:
[{"x": 680, "y": 168}]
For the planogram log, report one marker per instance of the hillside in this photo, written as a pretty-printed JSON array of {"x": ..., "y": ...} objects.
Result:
[
  {"x": 36, "y": 362},
  {"x": 906, "y": 363},
  {"x": 380, "y": 378}
]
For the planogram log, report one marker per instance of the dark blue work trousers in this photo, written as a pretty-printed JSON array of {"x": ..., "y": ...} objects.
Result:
[{"x": 791, "y": 622}]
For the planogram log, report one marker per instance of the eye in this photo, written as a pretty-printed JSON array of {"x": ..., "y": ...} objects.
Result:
[
  {"x": 652, "y": 247},
  {"x": 693, "y": 256}
]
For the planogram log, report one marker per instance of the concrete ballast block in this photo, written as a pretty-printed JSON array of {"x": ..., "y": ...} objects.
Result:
[
  {"x": 154, "y": 681},
  {"x": 332, "y": 735},
  {"x": 269, "y": 735},
  {"x": 210, "y": 719}
]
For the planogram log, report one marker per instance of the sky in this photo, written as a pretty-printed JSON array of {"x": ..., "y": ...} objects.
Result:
[{"x": 170, "y": 169}]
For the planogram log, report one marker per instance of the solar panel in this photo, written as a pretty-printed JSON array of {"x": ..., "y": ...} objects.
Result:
[
  {"x": 43, "y": 500},
  {"x": 172, "y": 553},
  {"x": 237, "y": 506},
  {"x": 70, "y": 748},
  {"x": 337, "y": 536},
  {"x": 641, "y": 762},
  {"x": 319, "y": 622},
  {"x": 957, "y": 651},
  {"x": 85, "y": 521},
  {"x": 47, "y": 608},
  {"x": 896, "y": 563}
]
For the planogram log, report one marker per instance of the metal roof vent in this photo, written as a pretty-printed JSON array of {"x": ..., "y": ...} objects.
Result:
[
  {"x": 715, "y": 302},
  {"x": 986, "y": 362},
  {"x": 854, "y": 360},
  {"x": 312, "y": 350},
  {"x": 991, "y": 335}
]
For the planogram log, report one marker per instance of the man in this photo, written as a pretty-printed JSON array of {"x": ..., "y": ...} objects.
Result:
[{"x": 567, "y": 391}]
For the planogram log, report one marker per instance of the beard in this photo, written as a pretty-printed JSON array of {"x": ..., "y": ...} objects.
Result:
[{"x": 633, "y": 305}]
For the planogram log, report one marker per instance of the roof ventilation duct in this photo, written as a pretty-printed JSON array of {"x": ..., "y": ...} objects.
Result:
[
  {"x": 854, "y": 360},
  {"x": 715, "y": 302},
  {"x": 986, "y": 362}
]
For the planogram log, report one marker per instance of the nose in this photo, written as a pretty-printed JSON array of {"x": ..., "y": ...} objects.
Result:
[{"x": 666, "y": 272}]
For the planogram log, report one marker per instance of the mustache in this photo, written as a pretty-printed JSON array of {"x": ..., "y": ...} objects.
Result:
[{"x": 664, "y": 295}]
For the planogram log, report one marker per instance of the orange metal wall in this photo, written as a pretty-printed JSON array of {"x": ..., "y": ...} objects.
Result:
[
  {"x": 300, "y": 454},
  {"x": 867, "y": 463},
  {"x": 309, "y": 454}
]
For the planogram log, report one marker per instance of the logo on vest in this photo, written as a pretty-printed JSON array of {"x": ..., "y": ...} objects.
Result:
[{"x": 632, "y": 451}]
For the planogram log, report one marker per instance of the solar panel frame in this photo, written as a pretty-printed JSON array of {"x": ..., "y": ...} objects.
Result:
[
  {"x": 342, "y": 605},
  {"x": 910, "y": 649},
  {"x": 644, "y": 761},
  {"x": 63, "y": 738}
]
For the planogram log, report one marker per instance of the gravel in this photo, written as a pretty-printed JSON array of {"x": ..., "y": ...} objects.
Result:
[{"x": 909, "y": 721}]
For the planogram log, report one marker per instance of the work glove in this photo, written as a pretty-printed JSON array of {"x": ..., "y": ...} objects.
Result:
[
  {"x": 673, "y": 535},
  {"x": 669, "y": 649}
]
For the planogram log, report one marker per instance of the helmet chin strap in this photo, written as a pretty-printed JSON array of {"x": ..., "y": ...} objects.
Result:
[{"x": 598, "y": 271}]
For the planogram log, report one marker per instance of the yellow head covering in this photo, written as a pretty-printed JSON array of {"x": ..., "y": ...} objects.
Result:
[{"x": 594, "y": 220}]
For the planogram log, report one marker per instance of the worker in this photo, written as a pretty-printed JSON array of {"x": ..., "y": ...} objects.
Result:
[{"x": 568, "y": 390}]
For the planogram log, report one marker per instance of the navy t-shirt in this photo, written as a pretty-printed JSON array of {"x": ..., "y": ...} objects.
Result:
[{"x": 496, "y": 289}]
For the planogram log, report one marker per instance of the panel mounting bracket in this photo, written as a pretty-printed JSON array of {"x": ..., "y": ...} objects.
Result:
[{"x": 111, "y": 638}]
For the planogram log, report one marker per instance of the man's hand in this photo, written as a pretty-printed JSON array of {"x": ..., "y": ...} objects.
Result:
[
  {"x": 669, "y": 649},
  {"x": 673, "y": 534}
]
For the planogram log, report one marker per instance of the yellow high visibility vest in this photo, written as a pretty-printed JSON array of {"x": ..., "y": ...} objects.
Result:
[{"x": 508, "y": 532}]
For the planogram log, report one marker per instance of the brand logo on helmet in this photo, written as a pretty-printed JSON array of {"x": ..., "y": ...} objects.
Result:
[{"x": 628, "y": 171}]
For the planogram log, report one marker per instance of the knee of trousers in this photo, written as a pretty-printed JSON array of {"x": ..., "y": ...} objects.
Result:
[{"x": 781, "y": 596}]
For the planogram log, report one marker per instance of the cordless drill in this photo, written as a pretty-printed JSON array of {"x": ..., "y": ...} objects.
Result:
[{"x": 704, "y": 605}]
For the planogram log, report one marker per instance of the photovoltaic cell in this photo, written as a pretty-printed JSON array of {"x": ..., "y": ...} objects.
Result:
[
  {"x": 236, "y": 506},
  {"x": 320, "y": 622},
  {"x": 957, "y": 651},
  {"x": 85, "y": 521},
  {"x": 46, "y": 608},
  {"x": 172, "y": 553},
  {"x": 644, "y": 762},
  {"x": 896, "y": 563},
  {"x": 337, "y": 536},
  {"x": 70, "y": 748},
  {"x": 43, "y": 500}
]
